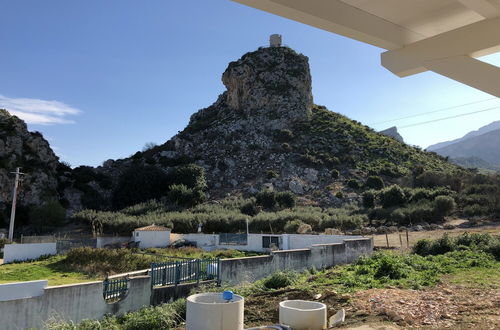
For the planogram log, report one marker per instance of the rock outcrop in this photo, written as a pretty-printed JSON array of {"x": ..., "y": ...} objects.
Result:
[
  {"x": 393, "y": 132},
  {"x": 31, "y": 152}
]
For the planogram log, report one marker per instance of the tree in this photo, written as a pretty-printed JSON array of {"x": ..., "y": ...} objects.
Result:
[
  {"x": 392, "y": 196},
  {"x": 139, "y": 184},
  {"x": 375, "y": 182}
]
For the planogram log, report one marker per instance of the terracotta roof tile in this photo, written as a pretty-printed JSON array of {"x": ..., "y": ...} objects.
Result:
[{"x": 152, "y": 227}]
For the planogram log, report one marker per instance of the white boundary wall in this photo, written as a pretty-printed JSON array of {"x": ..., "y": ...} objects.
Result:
[
  {"x": 21, "y": 290},
  {"x": 254, "y": 241},
  {"x": 21, "y": 252}
]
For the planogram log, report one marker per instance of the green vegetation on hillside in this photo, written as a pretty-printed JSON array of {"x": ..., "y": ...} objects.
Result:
[
  {"x": 333, "y": 137},
  {"x": 227, "y": 216}
]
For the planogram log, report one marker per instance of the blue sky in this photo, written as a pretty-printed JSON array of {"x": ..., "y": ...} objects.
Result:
[{"x": 101, "y": 78}]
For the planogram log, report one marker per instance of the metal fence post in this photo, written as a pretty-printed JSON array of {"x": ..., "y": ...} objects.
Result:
[
  {"x": 218, "y": 272},
  {"x": 177, "y": 273}
]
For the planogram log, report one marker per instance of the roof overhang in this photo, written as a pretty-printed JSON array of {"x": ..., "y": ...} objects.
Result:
[{"x": 444, "y": 36}]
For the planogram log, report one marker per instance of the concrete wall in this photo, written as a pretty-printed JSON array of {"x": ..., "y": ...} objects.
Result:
[
  {"x": 254, "y": 241},
  {"x": 105, "y": 240},
  {"x": 303, "y": 241},
  {"x": 204, "y": 241},
  {"x": 72, "y": 302},
  {"x": 150, "y": 239},
  {"x": 236, "y": 271},
  {"x": 20, "y": 290},
  {"x": 20, "y": 252}
]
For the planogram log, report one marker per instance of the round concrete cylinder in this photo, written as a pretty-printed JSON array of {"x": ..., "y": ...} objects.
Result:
[
  {"x": 208, "y": 311},
  {"x": 303, "y": 314}
]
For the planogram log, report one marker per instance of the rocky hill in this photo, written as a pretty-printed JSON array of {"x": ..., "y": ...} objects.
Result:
[
  {"x": 263, "y": 132},
  {"x": 483, "y": 130},
  {"x": 266, "y": 132},
  {"x": 484, "y": 146},
  {"x": 393, "y": 132}
]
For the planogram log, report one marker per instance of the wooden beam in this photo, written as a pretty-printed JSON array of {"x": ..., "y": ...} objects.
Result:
[
  {"x": 480, "y": 38},
  {"x": 485, "y": 8},
  {"x": 469, "y": 71},
  {"x": 340, "y": 18}
]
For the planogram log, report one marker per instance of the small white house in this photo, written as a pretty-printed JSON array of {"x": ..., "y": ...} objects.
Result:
[{"x": 152, "y": 236}]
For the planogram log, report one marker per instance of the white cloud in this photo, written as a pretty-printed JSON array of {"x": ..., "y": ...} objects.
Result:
[{"x": 35, "y": 111}]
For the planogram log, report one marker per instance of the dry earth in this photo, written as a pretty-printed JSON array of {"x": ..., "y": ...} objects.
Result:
[{"x": 398, "y": 239}]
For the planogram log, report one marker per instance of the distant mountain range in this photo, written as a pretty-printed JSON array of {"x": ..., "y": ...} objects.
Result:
[{"x": 479, "y": 148}]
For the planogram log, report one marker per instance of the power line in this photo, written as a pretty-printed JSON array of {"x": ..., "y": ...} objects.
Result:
[
  {"x": 434, "y": 111},
  {"x": 450, "y": 117}
]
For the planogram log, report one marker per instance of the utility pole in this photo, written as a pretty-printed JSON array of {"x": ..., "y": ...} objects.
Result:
[{"x": 14, "y": 200}]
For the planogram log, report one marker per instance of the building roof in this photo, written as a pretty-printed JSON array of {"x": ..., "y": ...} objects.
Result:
[
  {"x": 152, "y": 227},
  {"x": 444, "y": 36}
]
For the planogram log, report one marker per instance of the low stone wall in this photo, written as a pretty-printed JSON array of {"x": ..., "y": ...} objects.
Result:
[
  {"x": 236, "y": 271},
  {"x": 20, "y": 290},
  {"x": 170, "y": 293},
  {"x": 21, "y": 252},
  {"x": 72, "y": 302}
]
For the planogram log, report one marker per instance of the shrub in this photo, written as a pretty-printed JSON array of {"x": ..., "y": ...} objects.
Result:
[
  {"x": 353, "y": 183},
  {"x": 184, "y": 196},
  {"x": 471, "y": 241},
  {"x": 304, "y": 229},
  {"x": 392, "y": 196},
  {"x": 444, "y": 205},
  {"x": 280, "y": 280},
  {"x": 191, "y": 175},
  {"x": 475, "y": 210},
  {"x": 271, "y": 174},
  {"x": 292, "y": 226},
  {"x": 50, "y": 214},
  {"x": 286, "y": 147},
  {"x": 154, "y": 317},
  {"x": 104, "y": 261},
  {"x": 285, "y": 199},
  {"x": 250, "y": 209},
  {"x": 369, "y": 199},
  {"x": 266, "y": 198},
  {"x": 375, "y": 182},
  {"x": 339, "y": 194},
  {"x": 139, "y": 184},
  {"x": 284, "y": 135},
  {"x": 335, "y": 174}
]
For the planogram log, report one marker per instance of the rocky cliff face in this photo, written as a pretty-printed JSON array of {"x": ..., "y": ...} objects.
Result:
[
  {"x": 31, "y": 152},
  {"x": 265, "y": 132}
]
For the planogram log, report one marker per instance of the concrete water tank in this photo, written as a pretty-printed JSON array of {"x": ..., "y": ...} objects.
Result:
[
  {"x": 303, "y": 314},
  {"x": 210, "y": 311}
]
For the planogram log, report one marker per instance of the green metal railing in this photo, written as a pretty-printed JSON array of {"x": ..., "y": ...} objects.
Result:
[
  {"x": 183, "y": 271},
  {"x": 115, "y": 289}
]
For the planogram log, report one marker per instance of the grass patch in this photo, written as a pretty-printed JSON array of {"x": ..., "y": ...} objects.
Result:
[
  {"x": 88, "y": 264},
  {"x": 53, "y": 269},
  {"x": 475, "y": 278}
]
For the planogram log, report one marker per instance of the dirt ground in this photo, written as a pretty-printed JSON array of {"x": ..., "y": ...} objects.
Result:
[
  {"x": 445, "y": 306},
  {"x": 469, "y": 305},
  {"x": 398, "y": 239}
]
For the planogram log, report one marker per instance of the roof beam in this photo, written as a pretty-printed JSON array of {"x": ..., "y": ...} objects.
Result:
[
  {"x": 485, "y": 8},
  {"x": 467, "y": 70},
  {"x": 477, "y": 39},
  {"x": 341, "y": 18}
]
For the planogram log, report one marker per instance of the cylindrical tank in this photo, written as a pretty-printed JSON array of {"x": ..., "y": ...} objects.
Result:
[
  {"x": 209, "y": 311},
  {"x": 303, "y": 314}
]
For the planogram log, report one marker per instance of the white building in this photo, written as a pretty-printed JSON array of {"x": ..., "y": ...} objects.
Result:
[{"x": 152, "y": 236}]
